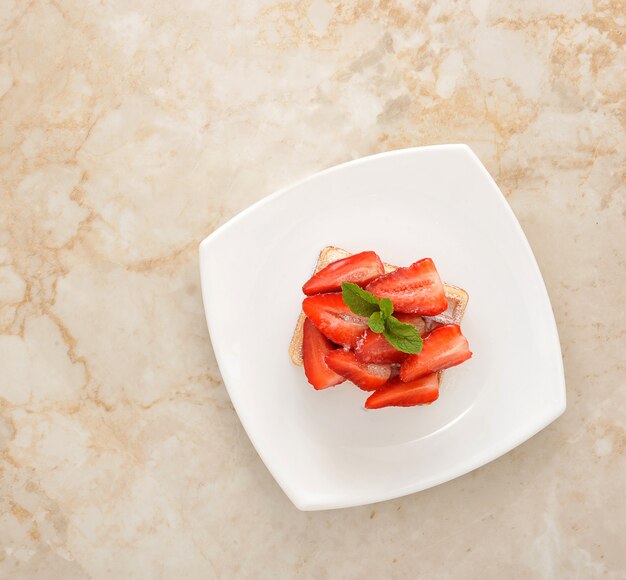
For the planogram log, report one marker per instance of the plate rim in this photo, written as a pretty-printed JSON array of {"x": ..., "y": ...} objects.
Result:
[{"x": 301, "y": 500}]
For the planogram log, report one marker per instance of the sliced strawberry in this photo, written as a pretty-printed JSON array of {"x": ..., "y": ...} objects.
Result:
[
  {"x": 368, "y": 377},
  {"x": 359, "y": 268},
  {"x": 398, "y": 394},
  {"x": 416, "y": 288},
  {"x": 444, "y": 347},
  {"x": 334, "y": 319},
  {"x": 375, "y": 348},
  {"x": 315, "y": 347}
]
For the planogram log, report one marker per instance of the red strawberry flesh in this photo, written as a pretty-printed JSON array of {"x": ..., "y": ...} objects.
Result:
[
  {"x": 444, "y": 347},
  {"x": 315, "y": 347},
  {"x": 396, "y": 393},
  {"x": 368, "y": 377},
  {"x": 416, "y": 289},
  {"x": 359, "y": 268},
  {"x": 334, "y": 319}
]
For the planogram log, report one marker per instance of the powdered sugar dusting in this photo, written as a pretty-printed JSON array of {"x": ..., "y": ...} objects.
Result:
[
  {"x": 378, "y": 370},
  {"x": 360, "y": 341}
]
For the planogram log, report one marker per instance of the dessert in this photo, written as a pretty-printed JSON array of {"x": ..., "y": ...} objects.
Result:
[{"x": 385, "y": 329}]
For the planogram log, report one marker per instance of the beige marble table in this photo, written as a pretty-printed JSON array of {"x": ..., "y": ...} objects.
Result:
[{"x": 129, "y": 130}]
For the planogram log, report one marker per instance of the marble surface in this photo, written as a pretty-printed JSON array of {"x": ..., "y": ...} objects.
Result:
[{"x": 129, "y": 130}]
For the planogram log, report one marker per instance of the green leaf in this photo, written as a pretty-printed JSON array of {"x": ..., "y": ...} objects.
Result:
[
  {"x": 358, "y": 300},
  {"x": 386, "y": 307},
  {"x": 402, "y": 336},
  {"x": 376, "y": 322}
]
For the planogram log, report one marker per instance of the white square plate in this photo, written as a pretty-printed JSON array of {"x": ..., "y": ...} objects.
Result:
[{"x": 323, "y": 448}]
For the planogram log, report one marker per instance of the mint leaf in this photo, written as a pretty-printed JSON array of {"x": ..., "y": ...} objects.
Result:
[
  {"x": 376, "y": 322},
  {"x": 358, "y": 300},
  {"x": 402, "y": 336},
  {"x": 386, "y": 307}
]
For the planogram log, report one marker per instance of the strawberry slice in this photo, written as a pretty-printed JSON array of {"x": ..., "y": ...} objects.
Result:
[
  {"x": 334, "y": 319},
  {"x": 395, "y": 393},
  {"x": 359, "y": 268},
  {"x": 368, "y": 377},
  {"x": 444, "y": 347},
  {"x": 374, "y": 348},
  {"x": 416, "y": 288},
  {"x": 315, "y": 347}
]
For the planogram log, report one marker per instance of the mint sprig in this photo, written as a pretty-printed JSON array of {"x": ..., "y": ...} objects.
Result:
[
  {"x": 402, "y": 336},
  {"x": 386, "y": 307},
  {"x": 358, "y": 300},
  {"x": 376, "y": 322}
]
